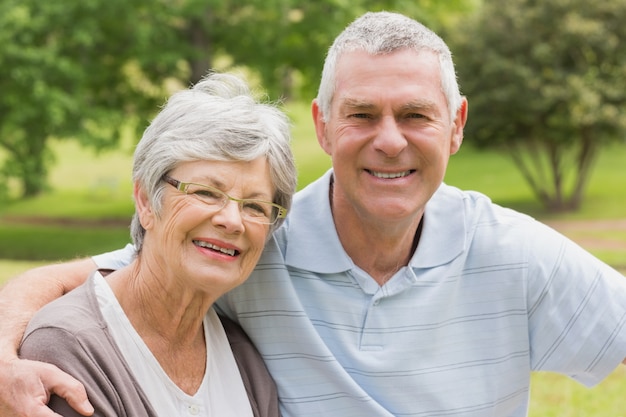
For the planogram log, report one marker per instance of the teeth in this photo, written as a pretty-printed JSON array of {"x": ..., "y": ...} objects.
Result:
[
  {"x": 390, "y": 174},
  {"x": 208, "y": 245}
]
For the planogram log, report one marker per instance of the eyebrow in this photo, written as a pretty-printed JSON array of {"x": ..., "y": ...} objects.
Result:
[
  {"x": 215, "y": 183},
  {"x": 417, "y": 104},
  {"x": 356, "y": 103},
  {"x": 423, "y": 105}
]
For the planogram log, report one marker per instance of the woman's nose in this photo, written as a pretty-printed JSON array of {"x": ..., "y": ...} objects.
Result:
[{"x": 229, "y": 217}]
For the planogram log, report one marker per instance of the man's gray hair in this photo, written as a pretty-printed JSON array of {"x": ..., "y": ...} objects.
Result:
[
  {"x": 383, "y": 33},
  {"x": 218, "y": 119}
]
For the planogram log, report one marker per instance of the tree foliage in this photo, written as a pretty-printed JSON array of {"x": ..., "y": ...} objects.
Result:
[
  {"x": 84, "y": 69},
  {"x": 546, "y": 82},
  {"x": 74, "y": 69}
]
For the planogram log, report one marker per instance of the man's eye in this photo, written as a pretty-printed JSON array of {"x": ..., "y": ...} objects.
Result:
[
  {"x": 415, "y": 116},
  {"x": 360, "y": 116}
]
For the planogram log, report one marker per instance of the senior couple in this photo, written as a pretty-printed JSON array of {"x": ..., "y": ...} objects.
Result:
[{"x": 385, "y": 292}]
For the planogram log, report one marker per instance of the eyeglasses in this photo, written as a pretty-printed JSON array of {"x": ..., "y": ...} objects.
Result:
[{"x": 257, "y": 211}]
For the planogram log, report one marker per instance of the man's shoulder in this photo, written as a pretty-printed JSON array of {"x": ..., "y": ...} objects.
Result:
[{"x": 477, "y": 207}]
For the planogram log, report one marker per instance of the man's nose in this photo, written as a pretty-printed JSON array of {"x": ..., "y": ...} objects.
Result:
[{"x": 390, "y": 140}]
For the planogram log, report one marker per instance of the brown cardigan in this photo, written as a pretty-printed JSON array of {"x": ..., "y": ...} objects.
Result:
[{"x": 71, "y": 333}]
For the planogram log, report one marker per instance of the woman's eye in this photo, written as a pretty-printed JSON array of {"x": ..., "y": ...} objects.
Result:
[
  {"x": 257, "y": 208},
  {"x": 207, "y": 194}
]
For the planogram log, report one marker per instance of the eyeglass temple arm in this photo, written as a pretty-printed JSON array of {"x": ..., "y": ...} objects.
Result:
[{"x": 175, "y": 183}]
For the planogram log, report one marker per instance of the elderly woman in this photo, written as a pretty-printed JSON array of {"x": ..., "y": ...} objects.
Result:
[{"x": 213, "y": 177}]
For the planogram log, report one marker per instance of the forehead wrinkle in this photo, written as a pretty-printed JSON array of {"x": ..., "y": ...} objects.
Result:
[
  {"x": 357, "y": 103},
  {"x": 206, "y": 180}
]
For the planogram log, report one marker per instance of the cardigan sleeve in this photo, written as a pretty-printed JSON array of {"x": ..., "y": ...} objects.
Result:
[
  {"x": 67, "y": 333},
  {"x": 62, "y": 349}
]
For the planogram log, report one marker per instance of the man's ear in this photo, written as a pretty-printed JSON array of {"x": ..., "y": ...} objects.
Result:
[
  {"x": 320, "y": 127},
  {"x": 143, "y": 207},
  {"x": 459, "y": 125}
]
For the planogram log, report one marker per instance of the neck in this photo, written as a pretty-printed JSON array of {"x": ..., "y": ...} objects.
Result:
[
  {"x": 378, "y": 252},
  {"x": 158, "y": 308},
  {"x": 379, "y": 248},
  {"x": 168, "y": 321}
]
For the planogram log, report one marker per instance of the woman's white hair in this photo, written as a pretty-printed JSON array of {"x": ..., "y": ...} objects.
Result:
[{"x": 216, "y": 120}]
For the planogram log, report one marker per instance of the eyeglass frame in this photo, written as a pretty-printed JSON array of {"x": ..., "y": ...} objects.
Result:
[{"x": 281, "y": 212}]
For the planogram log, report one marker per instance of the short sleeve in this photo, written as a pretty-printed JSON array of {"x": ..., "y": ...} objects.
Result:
[
  {"x": 577, "y": 313},
  {"x": 116, "y": 259}
]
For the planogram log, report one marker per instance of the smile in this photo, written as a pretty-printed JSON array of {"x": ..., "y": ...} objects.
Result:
[
  {"x": 207, "y": 245},
  {"x": 390, "y": 175}
]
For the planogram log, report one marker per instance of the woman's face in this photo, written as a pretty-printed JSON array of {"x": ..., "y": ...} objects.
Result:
[{"x": 202, "y": 248}]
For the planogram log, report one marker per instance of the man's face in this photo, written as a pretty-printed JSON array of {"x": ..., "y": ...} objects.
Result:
[{"x": 389, "y": 134}]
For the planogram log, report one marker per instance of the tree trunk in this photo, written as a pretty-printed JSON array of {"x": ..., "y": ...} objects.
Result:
[
  {"x": 584, "y": 163},
  {"x": 199, "y": 64}
]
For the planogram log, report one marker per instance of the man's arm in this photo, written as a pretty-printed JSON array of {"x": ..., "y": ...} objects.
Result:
[{"x": 27, "y": 384}]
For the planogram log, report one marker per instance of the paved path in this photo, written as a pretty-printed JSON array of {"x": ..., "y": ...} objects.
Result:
[
  {"x": 601, "y": 235},
  {"x": 589, "y": 233}
]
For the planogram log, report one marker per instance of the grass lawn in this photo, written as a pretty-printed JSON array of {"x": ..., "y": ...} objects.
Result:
[
  {"x": 87, "y": 189},
  {"x": 554, "y": 395},
  {"x": 10, "y": 268}
]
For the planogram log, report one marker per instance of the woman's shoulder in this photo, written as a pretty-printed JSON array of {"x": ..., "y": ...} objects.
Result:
[{"x": 70, "y": 313}]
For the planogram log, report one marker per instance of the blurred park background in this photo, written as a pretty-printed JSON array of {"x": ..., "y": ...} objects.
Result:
[{"x": 79, "y": 80}]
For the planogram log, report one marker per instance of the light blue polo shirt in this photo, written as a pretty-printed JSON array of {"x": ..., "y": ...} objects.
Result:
[{"x": 489, "y": 296}]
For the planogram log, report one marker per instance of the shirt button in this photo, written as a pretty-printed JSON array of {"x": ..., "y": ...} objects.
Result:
[{"x": 193, "y": 410}]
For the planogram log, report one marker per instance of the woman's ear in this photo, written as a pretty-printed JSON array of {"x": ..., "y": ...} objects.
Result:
[{"x": 142, "y": 206}]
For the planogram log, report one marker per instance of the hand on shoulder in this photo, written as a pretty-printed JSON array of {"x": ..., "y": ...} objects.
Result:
[{"x": 27, "y": 386}]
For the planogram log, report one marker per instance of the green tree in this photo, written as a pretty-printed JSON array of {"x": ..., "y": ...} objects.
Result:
[
  {"x": 84, "y": 69},
  {"x": 289, "y": 53},
  {"x": 75, "y": 69},
  {"x": 546, "y": 82}
]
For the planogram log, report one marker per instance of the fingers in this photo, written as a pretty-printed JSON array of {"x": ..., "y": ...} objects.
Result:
[
  {"x": 27, "y": 386},
  {"x": 68, "y": 388},
  {"x": 23, "y": 394}
]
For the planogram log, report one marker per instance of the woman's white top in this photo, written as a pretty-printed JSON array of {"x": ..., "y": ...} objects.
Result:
[{"x": 221, "y": 393}]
